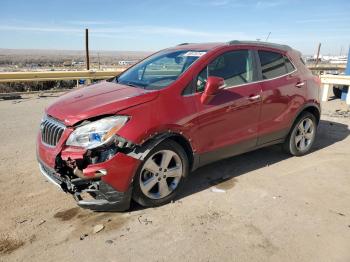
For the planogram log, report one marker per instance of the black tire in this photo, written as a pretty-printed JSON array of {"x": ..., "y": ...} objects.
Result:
[
  {"x": 337, "y": 91},
  {"x": 139, "y": 196},
  {"x": 290, "y": 145}
]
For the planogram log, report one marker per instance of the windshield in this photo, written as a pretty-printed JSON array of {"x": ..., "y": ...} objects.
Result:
[{"x": 159, "y": 70}]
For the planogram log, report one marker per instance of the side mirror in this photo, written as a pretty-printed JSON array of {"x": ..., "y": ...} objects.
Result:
[{"x": 214, "y": 84}]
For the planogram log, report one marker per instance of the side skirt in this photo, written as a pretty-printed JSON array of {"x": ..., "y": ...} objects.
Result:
[{"x": 230, "y": 151}]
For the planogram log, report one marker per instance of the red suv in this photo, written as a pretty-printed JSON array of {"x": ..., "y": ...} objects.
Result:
[{"x": 139, "y": 135}]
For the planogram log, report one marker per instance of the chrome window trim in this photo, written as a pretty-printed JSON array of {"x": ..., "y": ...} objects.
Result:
[
  {"x": 254, "y": 82},
  {"x": 258, "y": 81},
  {"x": 264, "y": 80}
]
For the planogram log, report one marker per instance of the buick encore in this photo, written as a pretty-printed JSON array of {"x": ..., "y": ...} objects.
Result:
[{"x": 139, "y": 135}]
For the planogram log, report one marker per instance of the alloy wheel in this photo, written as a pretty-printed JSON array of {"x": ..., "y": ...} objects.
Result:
[
  {"x": 305, "y": 134},
  {"x": 161, "y": 174}
]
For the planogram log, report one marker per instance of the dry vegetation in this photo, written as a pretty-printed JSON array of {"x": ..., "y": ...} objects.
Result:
[
  {"x": 14, "y": 60},
  {"x": 36, "y": 86}
]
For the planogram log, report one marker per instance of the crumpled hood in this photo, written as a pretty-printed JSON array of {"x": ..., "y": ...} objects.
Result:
[{"x": 98, "y": 99}]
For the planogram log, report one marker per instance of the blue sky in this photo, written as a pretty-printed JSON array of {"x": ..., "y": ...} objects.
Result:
[{"x": 154, "y": 24}]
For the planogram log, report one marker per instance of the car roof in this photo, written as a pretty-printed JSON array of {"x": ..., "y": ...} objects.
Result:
[
  {"x": 210, "y": 46},
  {"x": 199, "y": 46}
]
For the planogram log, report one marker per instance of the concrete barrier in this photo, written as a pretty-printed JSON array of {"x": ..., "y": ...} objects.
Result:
[{"x": 328, "y": 81}]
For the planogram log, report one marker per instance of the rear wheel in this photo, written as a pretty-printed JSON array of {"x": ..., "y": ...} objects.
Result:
[
  {"x": 302, "y": 135},
  {"x": 161, "y": 175}
]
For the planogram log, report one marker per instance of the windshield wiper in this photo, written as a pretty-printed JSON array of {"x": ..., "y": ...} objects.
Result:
[{"x": 131, "y": 84}]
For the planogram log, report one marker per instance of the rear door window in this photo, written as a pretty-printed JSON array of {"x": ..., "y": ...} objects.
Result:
[{"x": 274, "y": 64}]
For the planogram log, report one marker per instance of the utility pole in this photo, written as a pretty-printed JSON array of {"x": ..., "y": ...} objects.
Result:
[
  {"x": 99, "y": 61},
  {"x": 87, "y": 49},
  {"x": 318, "y": 53}
]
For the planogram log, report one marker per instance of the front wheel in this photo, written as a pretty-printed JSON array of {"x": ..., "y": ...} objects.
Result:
[
  {"x": 302, "y": 135},
  {"x": 160, "y": 175}
]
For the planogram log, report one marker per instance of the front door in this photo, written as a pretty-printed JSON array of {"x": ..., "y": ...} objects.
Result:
[{"x": 228, "y": 124}]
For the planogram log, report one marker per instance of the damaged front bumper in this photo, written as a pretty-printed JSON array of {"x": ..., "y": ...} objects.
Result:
[
  {"x": 96, "y": 182},
  {"x": 103, "y": 197}
]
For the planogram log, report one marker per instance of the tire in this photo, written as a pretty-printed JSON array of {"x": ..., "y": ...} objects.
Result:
[
  {"x": 337, "y": 91},
  {"x": 302, "y": 135},
  {"x": 156, "y": 182}
]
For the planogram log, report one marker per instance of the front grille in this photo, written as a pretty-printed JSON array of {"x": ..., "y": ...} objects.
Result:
[{"x": 51, "y": 131}]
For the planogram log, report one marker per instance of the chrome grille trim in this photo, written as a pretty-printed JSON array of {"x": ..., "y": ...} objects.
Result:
[{"x": 51, "y": 131}]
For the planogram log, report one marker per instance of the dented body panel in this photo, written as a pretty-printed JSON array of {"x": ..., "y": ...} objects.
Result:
[{"x": 104, "y": 98}]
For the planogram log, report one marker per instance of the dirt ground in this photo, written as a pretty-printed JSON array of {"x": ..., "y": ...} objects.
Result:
[{"x": 260, "y": 206}]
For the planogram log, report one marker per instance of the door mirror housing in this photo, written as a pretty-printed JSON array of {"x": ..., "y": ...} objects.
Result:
[{"x": 214, "y": 84}]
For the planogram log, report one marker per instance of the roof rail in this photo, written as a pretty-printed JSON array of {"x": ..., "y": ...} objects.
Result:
[{"x": 266, "y": 44}]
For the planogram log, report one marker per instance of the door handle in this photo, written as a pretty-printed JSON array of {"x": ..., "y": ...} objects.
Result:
[
  {"x": 300, "y": 84},
  {"x": 254, "y": 98}
]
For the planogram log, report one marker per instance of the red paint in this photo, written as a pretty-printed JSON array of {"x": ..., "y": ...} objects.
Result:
[
  {"x": 48, "y": 154},
  {"x": 230, "y": 116},
  {"x": 73, "y": 153},
  {"x": 212, "y": 88},
  {"x": 119, "y": 169},
  {"x": 101, "y": 99}
]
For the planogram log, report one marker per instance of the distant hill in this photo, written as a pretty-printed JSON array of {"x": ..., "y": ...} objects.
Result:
[{"x": 44, "y": 56}]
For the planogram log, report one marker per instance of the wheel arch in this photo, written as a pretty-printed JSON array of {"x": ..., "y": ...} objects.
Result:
[
  {"x": 142, "y": 151},
  {"x": 312, "y": 108}
]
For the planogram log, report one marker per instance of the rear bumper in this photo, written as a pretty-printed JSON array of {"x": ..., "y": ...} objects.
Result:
[{"x": 102, "y": 197}]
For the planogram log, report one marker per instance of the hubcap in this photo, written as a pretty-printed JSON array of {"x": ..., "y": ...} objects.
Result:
[
  {"x": 161, "y": 174},
  {"x": 305, "y": 134}
]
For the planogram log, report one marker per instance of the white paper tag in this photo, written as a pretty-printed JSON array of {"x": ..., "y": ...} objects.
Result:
[{"x": 193, "y": 53}]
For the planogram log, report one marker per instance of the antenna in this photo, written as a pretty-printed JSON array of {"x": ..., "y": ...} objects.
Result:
[{"x": 267, "y": 38}]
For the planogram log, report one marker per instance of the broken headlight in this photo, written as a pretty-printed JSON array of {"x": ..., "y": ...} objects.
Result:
[{"x": 96, "y": 133}]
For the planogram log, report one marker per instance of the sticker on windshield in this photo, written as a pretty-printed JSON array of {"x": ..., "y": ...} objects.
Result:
[{"x": 193, "y": 53}]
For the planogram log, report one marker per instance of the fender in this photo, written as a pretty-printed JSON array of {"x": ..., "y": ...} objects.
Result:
[
  {"x": 140, "y": 152},
  {"x": 305, "y": 106}
]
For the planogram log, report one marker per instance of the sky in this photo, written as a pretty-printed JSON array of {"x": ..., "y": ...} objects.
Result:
[{"x": 150, "y": 25}]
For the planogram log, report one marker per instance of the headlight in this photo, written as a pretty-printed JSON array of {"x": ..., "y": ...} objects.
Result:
[{"x": 96, "y": 133}]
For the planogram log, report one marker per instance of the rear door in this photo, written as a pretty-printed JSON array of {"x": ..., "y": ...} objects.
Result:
[
  {"x": 228, "y": 124},
  {"x": 283, "y": 92}
]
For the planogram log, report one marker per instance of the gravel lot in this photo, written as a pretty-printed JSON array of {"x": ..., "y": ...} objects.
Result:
[{"x": 260, "y": 206}]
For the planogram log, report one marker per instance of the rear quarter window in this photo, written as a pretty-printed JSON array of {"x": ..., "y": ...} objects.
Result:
[{"x": 274, "y": 64}]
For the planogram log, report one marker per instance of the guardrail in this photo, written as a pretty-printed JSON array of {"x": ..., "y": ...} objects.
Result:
[
  {"x": 56, "y": 75},
  {"x": 76, "y": 75},
  {"x": 328, "y": 81},
  {"x": 320, "y": 69}
]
